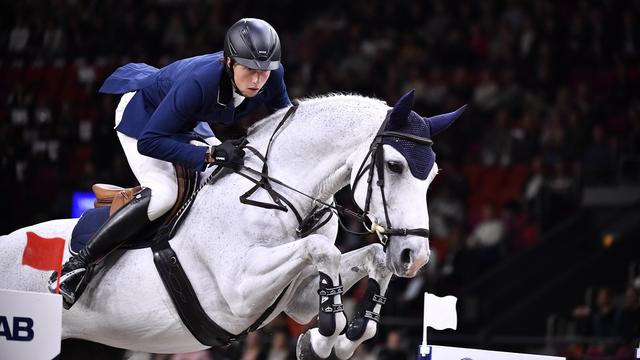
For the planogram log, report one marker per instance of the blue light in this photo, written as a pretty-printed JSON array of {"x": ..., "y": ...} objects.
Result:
[{"x": 80, "y": 202}]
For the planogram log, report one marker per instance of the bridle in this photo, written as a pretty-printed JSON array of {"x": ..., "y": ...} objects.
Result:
[
  {"x": 376, "y": 153},
  {"x": 369, "y": 221}
]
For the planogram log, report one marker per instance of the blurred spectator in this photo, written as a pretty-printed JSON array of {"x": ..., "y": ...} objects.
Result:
[
  {"x": 604, "y": 316},
  {"x": 629, "y": 316},
  {"x": 485, "y": 240},
  {"x": 552, "y": 139},
  {"x": 485, "y": 93},
  {"x": 632, "y": 136},
  {"x": 445, "y": 210},
  {"x": 253, "y": 347},
  {"x": 576, "y": 135},
  {"x": 562, "y": 189},
  {"x": 524, "y": 138},
  {"x": 520, "y": 232},
  {"x": 19, "y": 36},
  {"x": 496, "y": 143},
  {"x": 597, "y": 159},
  {"x": 280, "y": 346},
  {"x": 601, "y": 321},
  {"x": 489, "y": 232},
  {"x": 534, "y": 187},
  {"x": 392, "y": 350}
]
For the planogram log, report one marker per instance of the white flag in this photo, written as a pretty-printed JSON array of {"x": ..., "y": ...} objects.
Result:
[{"x": 440, "y": 312}]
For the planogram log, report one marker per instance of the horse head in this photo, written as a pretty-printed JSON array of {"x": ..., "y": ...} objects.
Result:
[{"x": 391, "y": 184}]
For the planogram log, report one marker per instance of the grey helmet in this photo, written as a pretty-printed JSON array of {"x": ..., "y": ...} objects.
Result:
[{"x": 253, "y": 43}]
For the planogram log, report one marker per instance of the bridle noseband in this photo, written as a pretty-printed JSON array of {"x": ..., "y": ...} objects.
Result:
[{"x": 376, "y": 153}]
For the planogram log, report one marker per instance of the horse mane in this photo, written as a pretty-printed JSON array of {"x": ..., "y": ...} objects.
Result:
[{"x": 314, "y": 99}]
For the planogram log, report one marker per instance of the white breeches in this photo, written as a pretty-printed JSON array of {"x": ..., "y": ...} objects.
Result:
[{"x": 156, "y": 174}]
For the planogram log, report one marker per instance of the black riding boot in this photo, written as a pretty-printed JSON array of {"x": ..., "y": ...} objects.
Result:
[{"x": 76, "y": 272}]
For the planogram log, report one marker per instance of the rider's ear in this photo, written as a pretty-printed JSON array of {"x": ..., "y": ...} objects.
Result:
[
  {"x": 400, "y": 111},
  {"x": 440, "y": 122}
]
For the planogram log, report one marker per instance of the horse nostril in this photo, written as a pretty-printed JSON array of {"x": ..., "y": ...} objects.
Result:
[{"x": 405, "y": 256}]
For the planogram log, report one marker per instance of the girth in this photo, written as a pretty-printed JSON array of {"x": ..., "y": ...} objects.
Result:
[{"x": 179, "y": 288}]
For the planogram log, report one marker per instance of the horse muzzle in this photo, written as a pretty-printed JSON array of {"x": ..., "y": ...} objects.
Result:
[{"x": 407, "y": 260}]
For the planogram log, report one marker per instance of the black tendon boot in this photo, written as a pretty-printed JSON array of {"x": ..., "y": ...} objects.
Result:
[
  {"x": 76, "y": 272},
  {"x": 366, "y": 312},
  {"x": 326, "y": 318}
]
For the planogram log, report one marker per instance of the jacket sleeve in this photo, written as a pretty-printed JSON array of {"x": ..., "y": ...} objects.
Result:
[
  {"x": 280, "y": 98},
  {"x": 163, "y": 137}
]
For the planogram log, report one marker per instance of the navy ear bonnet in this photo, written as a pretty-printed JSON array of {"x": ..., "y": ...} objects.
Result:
[{"x": 402, "y": 119}]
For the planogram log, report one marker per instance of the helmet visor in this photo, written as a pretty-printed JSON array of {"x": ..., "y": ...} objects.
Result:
[{"x": 258, "y": 64}]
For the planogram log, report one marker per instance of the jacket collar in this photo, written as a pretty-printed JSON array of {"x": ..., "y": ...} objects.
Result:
[{"x": 225, "y": 90}]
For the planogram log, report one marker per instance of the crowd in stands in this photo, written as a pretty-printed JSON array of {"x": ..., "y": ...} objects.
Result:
[
  {"x": 612, "y": 320},
  {"x": 552, "y": 88}
]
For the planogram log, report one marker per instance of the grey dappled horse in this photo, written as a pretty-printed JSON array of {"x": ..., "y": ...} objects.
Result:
[{"x": 239, "y": 258}]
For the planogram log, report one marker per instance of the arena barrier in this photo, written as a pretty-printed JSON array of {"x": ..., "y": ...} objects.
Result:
[
  {"x": 436, "y": 352},
  {"x": 31, "y": 322},
  {"x": 440, "y": 313},
  {"x": 30, "y": 325}
]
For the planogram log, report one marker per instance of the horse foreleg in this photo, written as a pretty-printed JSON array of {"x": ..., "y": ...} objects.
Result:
[
  {"x": 364, "y": 325},
  {"x": 354, "y": 265},
  {"x": 319, "y": 342},
  {"x": 282, "y": 264}
]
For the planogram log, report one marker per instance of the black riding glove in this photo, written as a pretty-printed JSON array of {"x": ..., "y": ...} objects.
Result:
[{"x": 229, "y": 153}]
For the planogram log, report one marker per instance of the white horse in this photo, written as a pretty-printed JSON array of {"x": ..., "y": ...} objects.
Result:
[{"x": 239, "y": 257}]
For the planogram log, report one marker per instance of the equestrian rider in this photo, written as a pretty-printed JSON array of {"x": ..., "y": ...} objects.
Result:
[{"x": 157, "y": 116}]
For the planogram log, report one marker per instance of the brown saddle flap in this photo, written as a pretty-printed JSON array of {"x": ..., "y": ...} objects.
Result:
[
  {"x": 117, "y": 196},
  {"x": 104, "y": 194},
  {"x": 114, "y": 196}
]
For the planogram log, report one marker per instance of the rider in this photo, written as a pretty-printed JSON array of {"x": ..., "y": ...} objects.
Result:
[{"x": 157, "y": 116}]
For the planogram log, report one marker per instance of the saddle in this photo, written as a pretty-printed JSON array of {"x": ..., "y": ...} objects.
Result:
[
  {"x": 110, "y": 198},
  {"x": 113, "y": 196},
  {"x": 116, "y": 196}
]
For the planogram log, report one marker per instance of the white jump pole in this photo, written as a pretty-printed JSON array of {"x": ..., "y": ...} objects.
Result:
[
  {"x": 440, "y": 313},
  {"x": 424, "y": 349}
]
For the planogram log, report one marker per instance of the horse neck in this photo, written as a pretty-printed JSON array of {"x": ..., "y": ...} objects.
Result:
[{"x": 312, "y": 150}]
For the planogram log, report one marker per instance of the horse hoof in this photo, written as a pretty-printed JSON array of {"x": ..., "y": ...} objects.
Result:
[{"x": 304, "y": 350}]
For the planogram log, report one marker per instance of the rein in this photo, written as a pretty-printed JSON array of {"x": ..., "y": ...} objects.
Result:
[{"x": 306, "y": 225}]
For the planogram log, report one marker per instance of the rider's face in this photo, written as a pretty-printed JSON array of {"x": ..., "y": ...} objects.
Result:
[{"x": 249, "y": 81}]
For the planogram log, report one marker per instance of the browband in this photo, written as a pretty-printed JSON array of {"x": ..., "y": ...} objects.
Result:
[{"x": 413, "y": 138}]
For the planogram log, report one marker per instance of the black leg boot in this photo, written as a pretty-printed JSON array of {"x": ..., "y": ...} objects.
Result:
[{"x": 117, "y": 230}]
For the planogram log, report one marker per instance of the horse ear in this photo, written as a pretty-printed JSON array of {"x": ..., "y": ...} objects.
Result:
[
  {"x": 440, "y": 122},
  {"x": 401, "y": 110}
]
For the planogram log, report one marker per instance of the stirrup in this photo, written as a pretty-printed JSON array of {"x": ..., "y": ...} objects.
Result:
[
  {"x": 82, "y": 285},
  {"x": 70, "y": 296}
]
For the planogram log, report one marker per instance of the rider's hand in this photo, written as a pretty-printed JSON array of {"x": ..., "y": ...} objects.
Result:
[{"x": 228, "y": 154}]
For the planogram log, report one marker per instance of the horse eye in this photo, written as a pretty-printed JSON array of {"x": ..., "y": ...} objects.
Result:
[{"x": 395, "y": 166}]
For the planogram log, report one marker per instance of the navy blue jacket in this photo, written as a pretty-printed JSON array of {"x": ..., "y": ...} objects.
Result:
[{"x": 171, "y": 102}]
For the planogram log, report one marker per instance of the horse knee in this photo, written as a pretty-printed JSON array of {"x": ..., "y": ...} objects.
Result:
[
  {"x": 377, "y": 261},
  {"x": 323, "y": 254}
]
